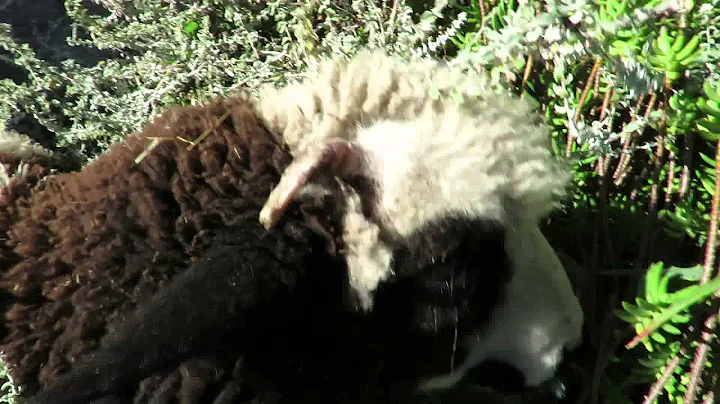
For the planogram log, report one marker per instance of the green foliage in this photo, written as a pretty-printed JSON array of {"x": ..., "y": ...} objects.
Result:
[
  {"x": 658, "y": 308},
  {"x": 190, "y": 51},
  {"x": 690, "y": 218},
  {"x": 673, "y": 54},
  {"x": 627, "y": 41},
  {"x": 661, "y": 314},
  {"x": 8, "y": 391},
  {"x": 709, "y": 126},
  {"x": 653, "y": 304},
  {"x": 627, "y": 89}
]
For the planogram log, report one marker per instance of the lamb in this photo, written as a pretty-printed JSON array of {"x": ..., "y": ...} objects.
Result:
[
  {"x": 89, "y": 246},
  {"x": 442, "y": 282},
  {"x": 342, "y": 97},
  {"x": 175, "y": 237},
  {"x": 400, "y": 127}
]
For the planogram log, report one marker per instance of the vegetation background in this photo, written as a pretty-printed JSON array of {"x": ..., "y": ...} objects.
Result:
[{"x": 630, "y": 89}]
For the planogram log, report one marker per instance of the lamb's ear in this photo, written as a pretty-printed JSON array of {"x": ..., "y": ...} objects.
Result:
[{"x": 331, "y": 157}]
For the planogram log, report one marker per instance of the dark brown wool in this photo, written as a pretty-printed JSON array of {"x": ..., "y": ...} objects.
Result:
[
  {"x": 86, "y": 247},
  {"x": 11, "y": 194}
]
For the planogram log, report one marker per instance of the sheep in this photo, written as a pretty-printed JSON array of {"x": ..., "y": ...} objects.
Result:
[
  {"x": 154, "y": 281},
  {"x": 89, "y": 246},
  {"x": 438, "y": 280},
  {"x": 428, "y": 156}
]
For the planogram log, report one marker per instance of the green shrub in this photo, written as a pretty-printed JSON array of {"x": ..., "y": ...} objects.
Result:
[
  {"x": 630, "y": 88},
  {"x": 186, "y": 52},
  {"x": 8, "y": 391}
]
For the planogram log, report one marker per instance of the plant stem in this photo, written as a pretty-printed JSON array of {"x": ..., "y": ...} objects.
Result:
[
  {"x": 708, "y": 263},
  {"x": 581, "y": 103},
  {"x": 670, "y": 179},
  {"x": 658, "y": 162},
  {"x": 526, "y": 73},
  {"x": 658, "y": 386},
  {"x": 711, "y": 243},
  {"x": 699, "y": 360},
  {"x": 483, "y": 14},
  {"x": 623, "y": 166},
  {"x": 688, "y": 143}
]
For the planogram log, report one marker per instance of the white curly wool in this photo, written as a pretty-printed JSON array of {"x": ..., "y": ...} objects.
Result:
[
  {"x": 439, "y": 142},
  {"x": 20, "y": 146},
  {"x": 431, "y": 153},
  {"x": 497, "y": 139}
]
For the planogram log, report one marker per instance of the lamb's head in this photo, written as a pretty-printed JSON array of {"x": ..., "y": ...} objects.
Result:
[{"x": 455, "y": 190}]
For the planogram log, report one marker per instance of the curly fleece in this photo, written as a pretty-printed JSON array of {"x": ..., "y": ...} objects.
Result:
[
  {"x": 440, "y": 143},
  {"x": 501, "y": 138},
  {"x": 82, "y": 249}
]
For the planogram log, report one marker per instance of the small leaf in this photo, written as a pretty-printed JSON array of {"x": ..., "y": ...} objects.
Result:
[
  {"x": 191, "y": 27},
  {"x": 652, "y": 281},
  {"x": 652, "y": 364},
  {"x": 658, "y": 338},
  {"x": 625, "y": 316},
  {"x": 711, "y": 92},
  {"x": 634, "y": 310},
  {"x": 691, "y": 274},
  {"x": 707, "y": 159},
  {"x": 708, "y": 184},
  {"x": 699, "y": 292},
  {"x": 643, "y": 304},
  {"x": 671, "y": 329},
  {"x": 681, "y": 318}
]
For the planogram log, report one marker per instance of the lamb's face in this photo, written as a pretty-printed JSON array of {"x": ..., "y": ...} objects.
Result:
[
  {"x": 541, "y": 315},
  {"x": 482, "y": 291},
  {"x": 537, "y": 318},
  {"x": 455, "y": 168}
]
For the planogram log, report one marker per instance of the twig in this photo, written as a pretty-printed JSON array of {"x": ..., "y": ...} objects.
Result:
[
  {"x": 606, "y": 102},
  {"x": 483, "y": 14},
  {"x": 658, "y": 158},
  {"x": 391, "y": 19},
  {"x": 711, "y": 243},
  {"x": 581, "y": 103},
  {"x": 660, "y": 383},
  {"x": 699, "y": 360},
  {"x": 604, "y": 162},
  {"x": 670, "y": 178},
  {"x": 658, "y": 162},
  {"x": 623, "y": 166},
  {"x": 708, "y": 264},
  {"x": 605, "y": 345},
  {"x": 688, "y": 143},
  {"x": 526, "y": 73},
  {"x": 209, "y": 130},
  {"x": 153, "y": 144}
]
